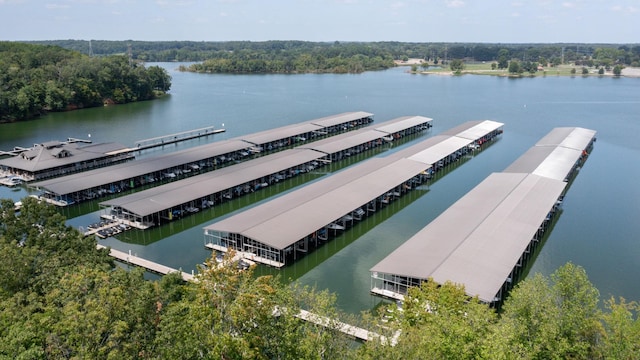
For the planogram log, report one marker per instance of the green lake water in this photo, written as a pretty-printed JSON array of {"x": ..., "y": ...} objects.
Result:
[{"x": 598, "y": 229}]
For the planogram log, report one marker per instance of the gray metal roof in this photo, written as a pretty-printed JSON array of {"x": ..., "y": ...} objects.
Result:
[
  {"x": 569, "y": 137},
  {"x": 479, "y": 130},
  {"x": 440, "y": 150},
  {"x": 554, "y": 155},
  {"x": 549, "y": 161},
  {"x": 284, "y": 132},
  {"x": 316, "y": 205},
  {"x": 280, "y": 133},
  {"x": 99, "y": 177},
  {"x": 488, "y": 255},
  {"x": 402, "y": 123},
  {"x": 348, "y": 140},
  {"x": 165, "y": 197},
  {"x": 106, "y": 175},
  {"x": 44, "y": 157},
  {"x": 340, "y": 118},
  {"x": 478, "y": 240},
  {"x": 344, "y": 141}
]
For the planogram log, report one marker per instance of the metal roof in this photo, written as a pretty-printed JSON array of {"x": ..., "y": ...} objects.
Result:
[
  {"x": 120, "y": 172},
  {"x": 549, "y": 161},
  {"x": 165, "y": 197},
  {"x": 485, "y": 259},
  {"x": 43, "y": 157},
  {"x": 555, "y": 154},
  {"x": 281, "y": 133},
  {"x": 340, "y": 118},
  {"x": 402, "y": 123},
  {"x": 441, "y": 150},
  {"x": 348, "y": 140},
  {"x": 344, "y": 141},
  {"x": 479, "y": 239},
  {"x": 314, "y": 206},
  {"x": 569, "y": 137},
  {"x": 320, "y": 124},
  {"x": 479, "y": 130}
]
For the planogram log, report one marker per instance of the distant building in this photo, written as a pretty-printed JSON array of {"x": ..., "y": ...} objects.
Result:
[{"x": 54, "y": 158}]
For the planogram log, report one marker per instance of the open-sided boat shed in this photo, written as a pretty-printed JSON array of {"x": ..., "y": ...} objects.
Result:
[
  {"x": 167, "y": 202},
  {"x": 283, "y": 229},
  {"x": 484, "y": 240},
  {"x": 89, "y": 185}
]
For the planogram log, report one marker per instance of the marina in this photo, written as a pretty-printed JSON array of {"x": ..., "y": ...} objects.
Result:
[
  {"x": 180, "y": 198},
  {"x": 284, "y": 229},
  {"x": 493, "y": 230},
  {"x": 596, "y": 230},
  {"x": 172, "y": 166}
]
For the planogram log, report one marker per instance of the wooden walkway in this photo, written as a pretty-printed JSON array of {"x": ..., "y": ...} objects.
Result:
[
  {"x": 349, "y": 330},
  {"x": 148, "y": 265}
]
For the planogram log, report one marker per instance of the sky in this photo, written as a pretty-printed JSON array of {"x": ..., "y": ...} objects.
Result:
[{"x": 487, "y": 21}]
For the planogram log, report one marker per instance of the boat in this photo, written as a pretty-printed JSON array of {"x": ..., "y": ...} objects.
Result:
[
  {"x": 335, "y": 226},
  {"x": 11, "y": 181}
]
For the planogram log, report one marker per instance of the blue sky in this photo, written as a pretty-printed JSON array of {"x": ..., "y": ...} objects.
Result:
[{"x": 517, "y": 21}]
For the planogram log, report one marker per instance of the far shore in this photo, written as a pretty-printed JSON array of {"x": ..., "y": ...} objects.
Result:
[{"x": 484, "y": 68}]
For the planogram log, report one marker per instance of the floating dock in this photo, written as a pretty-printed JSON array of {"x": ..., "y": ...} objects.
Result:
[{"x": 175, "y": 138}]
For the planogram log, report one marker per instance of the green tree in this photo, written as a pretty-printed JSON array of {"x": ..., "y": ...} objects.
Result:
[
  {"x": 503, "y": 59},
  {"x": 617, "y": 70},
  {"x": 228, "y": 313},
  {"x": 622, "y": 326},
  {"x": 456, "y": 65},
  {"x": 550, "y": 320},
  {"x": 436, "y": 322},
  {"x": 514, "y": 67},
  {"x": 585, "y": 71}
]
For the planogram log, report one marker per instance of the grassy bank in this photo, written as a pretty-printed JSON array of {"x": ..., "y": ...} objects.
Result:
[{"x": 485, "y": 69}]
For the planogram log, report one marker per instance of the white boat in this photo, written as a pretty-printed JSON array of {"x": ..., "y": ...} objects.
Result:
[
  {"x": 11, "y": 181},
  {"x": 334, "y": 226}
]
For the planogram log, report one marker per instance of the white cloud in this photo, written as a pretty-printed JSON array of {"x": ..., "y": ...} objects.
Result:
[
  {"x": 223, "y": 14},
  {"x": 397, "y": 5},
  {"x": 515, "y": 14},
  {"x": 455, "y": 3},
  {"x": 569, "y": 4},
  {"x": 56, "y": 6}
]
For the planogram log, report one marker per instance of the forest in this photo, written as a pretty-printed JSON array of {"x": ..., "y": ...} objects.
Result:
[
  {"x": 62, "y": 298},
  {"x": 36, "y": 79},
  {"x": 165, "y": 51}
]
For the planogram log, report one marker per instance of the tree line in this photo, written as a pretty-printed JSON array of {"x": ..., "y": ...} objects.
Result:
[
  {"x": 60, "y": 297},
  {"x": 554, "y": 54},
  {"x": 36, "y": 79}
]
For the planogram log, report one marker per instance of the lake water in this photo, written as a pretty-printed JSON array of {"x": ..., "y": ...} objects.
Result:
[{"x": 598, "y": 229}]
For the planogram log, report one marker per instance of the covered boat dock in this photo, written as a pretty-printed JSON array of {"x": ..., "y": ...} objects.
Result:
[
  {"x": 57, "y": 158},
  {"x": 180, "y": 164},
  {"x": 280, "y": 231},
  {"x": 176, "y": 199},
  {"x": 486, "y": 238}
]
